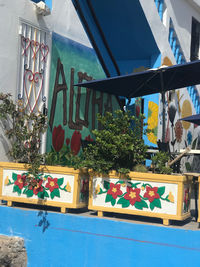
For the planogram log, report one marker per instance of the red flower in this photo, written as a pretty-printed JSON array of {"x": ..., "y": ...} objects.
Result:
[
  {"x": 114, "y": 190},
  {"x": 58, "y": 137},
  {"x": 151, "y": 193},
  {"x": 88, "y": 138},
  {"x": 178, "y": 131},
  {"x": 133, "y": 195},
  {"x": 76, "y": 142},
  {"x": 67, "y": 141},
  {"x": 52, "y": 184},
  {"x": 21, "y": 181},
  {"x": 38, "y": 188}
]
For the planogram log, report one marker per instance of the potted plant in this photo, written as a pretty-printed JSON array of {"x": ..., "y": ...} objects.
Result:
[
  {"x": 116, "y": 187},
  {"x": 27, "y": 179}
]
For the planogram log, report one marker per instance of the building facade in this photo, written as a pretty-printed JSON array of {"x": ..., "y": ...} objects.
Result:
[{"x": 83, "y": 40}]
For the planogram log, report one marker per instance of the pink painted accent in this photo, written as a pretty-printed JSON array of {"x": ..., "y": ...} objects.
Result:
[
  {"x": 44, "y": 51},
  {"x": 35, "y": 46},
  {"x": 25, "y": 41},
  {"x": 32, "y": 78}
]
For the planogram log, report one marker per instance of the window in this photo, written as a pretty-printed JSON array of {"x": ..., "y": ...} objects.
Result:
[
  {"x": 34, "y": 63},
  {"x": 195, "y": 35}
]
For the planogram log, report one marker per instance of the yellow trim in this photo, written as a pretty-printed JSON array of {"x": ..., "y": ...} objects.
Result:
[
  {"x": 76, "y": 188},
  {"x": 165, "y": 222},
  {"x": 1, "y": 181},
  {"x": 180, "y": 199},
  {"x": 142, "y": 213},
  {"x": 199, "y": 201},
  {"x": 47, "y": 169},
  {"x": 100, "y": 214},
  {"x": 151, "y": 177},
  {"x": 44, "y": 168}
]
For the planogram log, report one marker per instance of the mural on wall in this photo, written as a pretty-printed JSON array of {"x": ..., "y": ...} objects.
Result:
[
  {"x": 180, "y": 134},
  {"x": 73, "y": 110},
  {"x": 152, "y": 122}
]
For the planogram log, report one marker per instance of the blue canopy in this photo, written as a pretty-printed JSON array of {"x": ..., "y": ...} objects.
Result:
[{"x": 149, "y": 82}]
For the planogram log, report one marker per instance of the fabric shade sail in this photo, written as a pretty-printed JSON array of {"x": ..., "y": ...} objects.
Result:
[
  {"x": 148, "y": 82},
  {"x": 193, "y": 119}
]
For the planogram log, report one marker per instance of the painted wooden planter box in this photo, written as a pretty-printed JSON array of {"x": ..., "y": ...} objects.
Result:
[
  {"x": 146, "y": 194},
  {"x": 199, "y": 199},
  {"x": 57, "y": 186}
]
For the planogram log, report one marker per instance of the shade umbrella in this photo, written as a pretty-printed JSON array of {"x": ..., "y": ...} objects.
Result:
[
  {"x": 193, "y": 119},
  {"x": 149, "y": 82}
]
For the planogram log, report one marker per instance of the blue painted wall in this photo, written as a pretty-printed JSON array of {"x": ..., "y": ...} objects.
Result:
[
  {"x": 126, "y": 30},
  {"x": 72, "y": 240}
]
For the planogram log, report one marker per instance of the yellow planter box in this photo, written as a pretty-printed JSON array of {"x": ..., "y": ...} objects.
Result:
[
  {"x": 199, "y": 199},
  {"x": 146, "y": 194},
  {"x": 57, "y": 186}
]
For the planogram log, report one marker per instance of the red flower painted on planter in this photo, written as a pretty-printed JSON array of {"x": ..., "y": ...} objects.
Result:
[
  {"x": 58, "y": 137},
  {"x": 52, "y": 184},
  {"x": 114, "y": 190},
  {"x": 151, "y": 193},
  {"x": 88, "y": 138},
  {"x": 21, "y": 181},
  {"x": 133, "y": 195},
  {"x": 76, "y": 142},
  {"x": 38, "y": 188}
]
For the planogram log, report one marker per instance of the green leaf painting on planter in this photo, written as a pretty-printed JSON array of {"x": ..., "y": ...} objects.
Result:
[
  {"x": 138, "y": 195},
  {"x": 40, "y": 186}
]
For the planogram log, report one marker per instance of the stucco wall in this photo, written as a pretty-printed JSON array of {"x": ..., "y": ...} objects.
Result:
[
  {"x": 63, "y": 20},
  {"x": 181, "y": 13}
]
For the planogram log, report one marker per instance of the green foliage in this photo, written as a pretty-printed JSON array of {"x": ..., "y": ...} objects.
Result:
[
  {"x": 140, "y": 168},
  {"x": 65, "y": 157},
  {"x": 117, "y": 146},
  {"x": 23, "y": 131},
  {"x": 159, "y": 162}
]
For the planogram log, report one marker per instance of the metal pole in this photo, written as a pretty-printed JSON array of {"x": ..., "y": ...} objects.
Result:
[{"x": 163, "y": 105}]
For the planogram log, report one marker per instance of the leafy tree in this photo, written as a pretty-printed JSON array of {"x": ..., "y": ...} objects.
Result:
[
  {"x": 118, "y": 145},
  {"x": 23, "y": 131}
]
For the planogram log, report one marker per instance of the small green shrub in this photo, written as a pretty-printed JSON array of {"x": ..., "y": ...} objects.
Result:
[
  {"x": 159, "y": 162},
  {"x": 140, "y": 168},
  {"x": 117, "y": 146},
  {"x": 23, "y": 131}
]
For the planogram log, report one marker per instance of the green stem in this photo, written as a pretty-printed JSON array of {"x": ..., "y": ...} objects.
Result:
[
  {"x": 122, "y": 195},
  {"x": 62, "y": 188},
  {"x": 148, "y": 185},
  {"x": 144, "y": 198},
  {"x": 166, "y": 199},
  {"x": 103, "y": 192}
]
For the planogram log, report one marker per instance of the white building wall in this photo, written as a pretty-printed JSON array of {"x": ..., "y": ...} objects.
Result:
[
  {"x": 181, "y": 12},
  {"x": 63, "y": 20}
]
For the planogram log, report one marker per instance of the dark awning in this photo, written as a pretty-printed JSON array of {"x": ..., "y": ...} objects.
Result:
[
  {"x": 149, "y": 82},
  {"x": 193, "y": 119}
]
